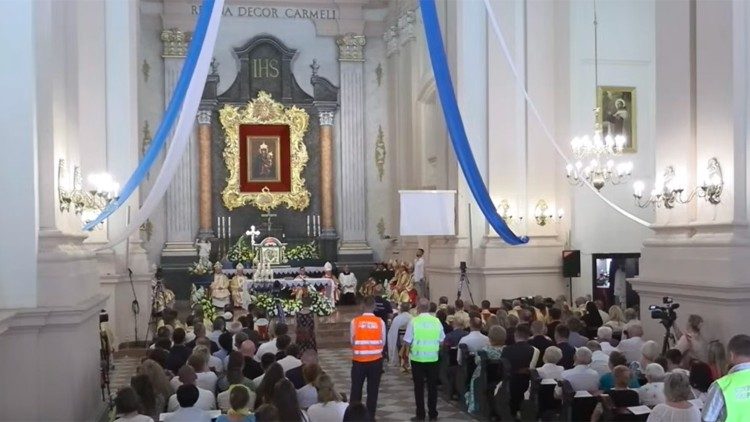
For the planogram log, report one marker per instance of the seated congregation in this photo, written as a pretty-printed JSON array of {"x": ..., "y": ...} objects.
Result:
[
  {"x": 540, "y": 359},
  {"x": 529, "y": 359}
]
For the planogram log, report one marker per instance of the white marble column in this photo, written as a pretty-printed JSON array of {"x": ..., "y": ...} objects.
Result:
[
  {"x": 698, "y": 253},
  {"x": 181, "y": 198},
  {"x": 353, "y": 223},
  {"x": 19, "y": 158}
]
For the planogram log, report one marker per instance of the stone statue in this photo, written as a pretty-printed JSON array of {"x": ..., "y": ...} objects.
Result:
[{"x": 204, "y": 250}]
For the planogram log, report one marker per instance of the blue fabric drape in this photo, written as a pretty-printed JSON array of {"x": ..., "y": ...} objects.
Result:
[
  {"x": 170, "y": 116},
  {"x": 456, "y": 127}
]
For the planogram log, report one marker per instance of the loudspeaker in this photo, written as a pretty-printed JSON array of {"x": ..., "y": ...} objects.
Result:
[{"x": 571, "y": 263}]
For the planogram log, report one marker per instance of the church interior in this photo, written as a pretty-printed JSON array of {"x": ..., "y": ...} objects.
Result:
[{"x": 246, "y": 165}]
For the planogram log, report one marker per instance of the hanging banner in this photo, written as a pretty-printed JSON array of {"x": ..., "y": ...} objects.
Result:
[{"x": 455, "y": 125}]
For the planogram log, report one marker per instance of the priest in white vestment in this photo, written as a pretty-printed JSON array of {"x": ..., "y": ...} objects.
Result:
[
  {"x": 220, "y": 287},
  {"x": 348, "y": 282}
]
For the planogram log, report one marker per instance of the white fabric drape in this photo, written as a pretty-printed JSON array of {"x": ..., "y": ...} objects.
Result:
[{"x": 181, "y": 135}]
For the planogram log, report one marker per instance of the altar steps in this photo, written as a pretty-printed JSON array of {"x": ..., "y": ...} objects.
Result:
[{"x": 332, "y": 335}]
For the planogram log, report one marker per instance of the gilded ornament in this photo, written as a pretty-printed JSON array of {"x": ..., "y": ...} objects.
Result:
[
  {"x": 146, "y": 137},
  {"x": 146, "y": 70},
  {"x": 351, "y": 47},
  {"x": 265, "y": 111},
  {"x": 380, "y": 153},
  {"x": 381, "y": 228},
  {"x": 379, "y": 73}
]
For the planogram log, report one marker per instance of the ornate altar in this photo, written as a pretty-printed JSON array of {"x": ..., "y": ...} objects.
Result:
[{"x": 271, "y": 251}]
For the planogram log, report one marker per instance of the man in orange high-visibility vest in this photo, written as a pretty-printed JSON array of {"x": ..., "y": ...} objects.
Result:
[{"x": 368, "y": 340}]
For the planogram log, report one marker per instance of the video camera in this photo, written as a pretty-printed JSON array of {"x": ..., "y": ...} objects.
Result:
[{"x": 666, "y": 312}]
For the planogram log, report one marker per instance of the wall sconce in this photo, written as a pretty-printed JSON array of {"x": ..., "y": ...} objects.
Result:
[
  {"x": 543, "y": 214},
  {"x": 505, "y": 212},
  {"x": 671, "y": 191},
  {"x": 87, "y": 204}
]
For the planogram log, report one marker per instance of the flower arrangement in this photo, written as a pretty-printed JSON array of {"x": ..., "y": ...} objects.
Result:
[
  {"x": 291, "y": 306},
  {"x": 321, "y": 305},
  {"x": 199, "y": 300},
  {"x": 303, "y": 251},
  {"x": 240, "y": 252},
  {"x": 264, "y": 302},
  {"x": 199, "y": 268}
]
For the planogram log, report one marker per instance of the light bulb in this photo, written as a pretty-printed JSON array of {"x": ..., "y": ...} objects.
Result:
[
  {"x": 638, "y": 187},
  {"x": 579, "y": 165}
]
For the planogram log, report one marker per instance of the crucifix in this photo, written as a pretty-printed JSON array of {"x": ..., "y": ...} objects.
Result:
[
  {"x": 252, "y": 233},
  {"x": 269, "y": 216}
]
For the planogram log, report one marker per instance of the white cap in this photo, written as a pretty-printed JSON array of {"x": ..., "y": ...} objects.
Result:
[{"x": 328, "y": 266}]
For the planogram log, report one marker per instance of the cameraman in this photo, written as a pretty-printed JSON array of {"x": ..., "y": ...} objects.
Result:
[{"x": 691, "y": 343}]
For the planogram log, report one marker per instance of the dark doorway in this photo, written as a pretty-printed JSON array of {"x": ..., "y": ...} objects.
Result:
[{"x": 609, "y": 274}]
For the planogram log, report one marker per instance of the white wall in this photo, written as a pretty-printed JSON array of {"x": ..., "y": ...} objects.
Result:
[{"x": 626, "y": 58}]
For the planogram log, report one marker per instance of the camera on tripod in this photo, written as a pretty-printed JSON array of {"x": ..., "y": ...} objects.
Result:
[{"x": 665, "y": 313}]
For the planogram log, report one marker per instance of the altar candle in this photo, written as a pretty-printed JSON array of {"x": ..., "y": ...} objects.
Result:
[
  {"x": 317, "y": 217},
  {"x": 308, "y": 225},
  {"x": 229, "y": 227},
  {"x": 218, "y": 226}
]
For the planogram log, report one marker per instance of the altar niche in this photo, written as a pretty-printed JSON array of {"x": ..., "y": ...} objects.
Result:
[{"x": 265, "y": 65}]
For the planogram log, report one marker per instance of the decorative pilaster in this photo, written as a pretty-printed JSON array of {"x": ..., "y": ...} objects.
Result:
[
  {"x": 326, "y": 173},
  {"x": 205, "y": 230},
  {"x": 353, "y": 224},
  {"x": 181, "y": 200}
]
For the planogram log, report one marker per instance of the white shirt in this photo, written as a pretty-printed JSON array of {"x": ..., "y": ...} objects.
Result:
[
  {"x": 582, "y": 378},
  {"x": 206, "y": 401},
  {"x": 652, "y": 394},
  {"x": 134, "y": 418},
  {"x": 419, "y": 269},
  {"x": 204, "y": 380},
  {"x": 267, "y": 347},
  {"x": 607, "y": 348},
  {"x": 289, "y": 362},
  {"x": 631, "y": 348},
  {"x": 600, "y": 363},
  {"x": 189, "y": 414},
  {"x": 307, "y": 396},
  {"x": 475, "y": 341},
  {"x": 604, "y": 315},
  {"x": 399, "y": 321},
  {"x": 666, "y": 413},
  {"x": 550, "y": 371},
  {"x": 333, "y": 411},
  {"x": 215, "y": 363}
]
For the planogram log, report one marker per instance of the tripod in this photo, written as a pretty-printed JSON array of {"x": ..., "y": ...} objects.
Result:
[
  {"x": 157, "y": 292},
  {"x": 669, "y": 336},
  {"x": 464, "y": 279}
]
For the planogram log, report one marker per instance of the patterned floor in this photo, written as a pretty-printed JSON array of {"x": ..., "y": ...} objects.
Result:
[{"x": 396, "y": 397}]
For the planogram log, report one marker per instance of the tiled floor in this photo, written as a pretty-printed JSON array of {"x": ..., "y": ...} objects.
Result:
[{"x": 396, "y": 396}]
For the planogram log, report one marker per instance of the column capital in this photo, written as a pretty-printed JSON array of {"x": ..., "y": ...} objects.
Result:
[
  {"x": 351, "y": 47},
  {"x": 326, "y": 118},
  {"x": 390, "y": 37},
  {"x": 175, "y": 42},
  {"x": 406, "y": 27},
  {"x": 204, "y": 117}
]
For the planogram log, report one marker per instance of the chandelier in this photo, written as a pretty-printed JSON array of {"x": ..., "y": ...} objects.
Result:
[{"x": 595, "y": 155}]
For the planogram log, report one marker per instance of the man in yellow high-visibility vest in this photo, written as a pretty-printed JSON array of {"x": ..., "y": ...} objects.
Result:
[
  {"x": 729, "y": 397},
  {"x": 422, "y": 339}
]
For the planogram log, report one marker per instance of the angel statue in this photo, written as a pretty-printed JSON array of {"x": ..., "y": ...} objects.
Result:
[{"x": 204, "y": 250}]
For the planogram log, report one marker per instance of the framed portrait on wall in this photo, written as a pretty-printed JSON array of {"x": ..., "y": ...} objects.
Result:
[
  {"x": 265, "y": 160},
  {"x": 617, "y": 113}
]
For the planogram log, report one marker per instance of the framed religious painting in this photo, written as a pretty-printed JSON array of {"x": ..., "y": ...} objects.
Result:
[
  {"x": 265, "y": 155},
  {"x": 264, "y": 158},
  {"x": 617, "y": 114}
]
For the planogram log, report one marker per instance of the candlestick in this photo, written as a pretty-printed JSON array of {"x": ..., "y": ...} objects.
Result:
[
  {"x": 229, "y": 227},
  {"x": 317, "y": 217},
  {"x": 218, "y": 225},
  {"x": 308, "y": 225}
]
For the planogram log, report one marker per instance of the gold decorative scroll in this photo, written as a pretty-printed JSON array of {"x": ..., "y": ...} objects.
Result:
[{"x": 265, "y": 111}]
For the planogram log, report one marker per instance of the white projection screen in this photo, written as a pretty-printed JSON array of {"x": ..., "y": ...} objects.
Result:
[{"x": 428, "y": 212}]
